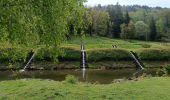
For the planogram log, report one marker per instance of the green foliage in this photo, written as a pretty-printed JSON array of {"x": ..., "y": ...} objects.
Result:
[
  {"x": 153, "y": 31},
  {"x": 70, "y": 53},
  {"x": 142, "y": 30},
  {"x": 118, "y": 20},
  {"x": 13, "y": 54},
  {"x": 101, "y": 24},
  {"x": 98, "y": 49},
  {"x": 162, "y": 72},
  {"x": 167, "y": 68},
  {"x": 127, "y": 18},
  {"x": 48, "y": 54},
  {"x": 124, "y": 31},
  {"x": 160, "y": 29},
  {"x": 128, "y": 31},
  {"x": 38, "y": 22},
  {"x": 154, "y": 54},
  {"x": 107, "y": 54},
  {"x": 64, "y": 53},
  {"x": 71, "y": 79},
  {"x": 146, "y": 45},
  {"x": 99, "y": 20}
]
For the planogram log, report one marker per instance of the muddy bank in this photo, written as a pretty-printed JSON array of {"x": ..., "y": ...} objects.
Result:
[{"x": 76, "y": 65}]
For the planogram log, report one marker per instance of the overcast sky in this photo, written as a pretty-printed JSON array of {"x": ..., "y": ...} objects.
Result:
[{"x": 152, "y": 3}]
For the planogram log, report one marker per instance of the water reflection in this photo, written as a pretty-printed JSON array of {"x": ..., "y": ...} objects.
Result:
[
  {"x": 92, "y": 76},
  {"x": 84, "y": 74}
]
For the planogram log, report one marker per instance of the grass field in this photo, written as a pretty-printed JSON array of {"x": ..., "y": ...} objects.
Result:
[
  {"x": 144, "y": 89},
  {"x": 102, "y": 42},
  {"x": 98, "y": 49}
]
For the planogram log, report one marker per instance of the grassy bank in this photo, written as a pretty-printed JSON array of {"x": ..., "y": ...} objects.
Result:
[
  {"x": 98, "y": 49},
  {"x": 145, "y": 89},
  {"x": 103, "y": 42}
]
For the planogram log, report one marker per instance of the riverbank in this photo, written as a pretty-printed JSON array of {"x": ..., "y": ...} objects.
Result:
[
  {"x": 103, "y": 65},
  {"x": 143, "y": 89},
  {"x": 98, "y": 49}
]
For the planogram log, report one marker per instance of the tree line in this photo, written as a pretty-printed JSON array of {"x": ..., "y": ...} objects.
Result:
[
  {"x": 128, "y": 22},
  {"x": 50, "y": 22}
]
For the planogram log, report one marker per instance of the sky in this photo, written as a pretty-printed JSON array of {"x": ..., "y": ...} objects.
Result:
[{"x": 151, "y": 3}]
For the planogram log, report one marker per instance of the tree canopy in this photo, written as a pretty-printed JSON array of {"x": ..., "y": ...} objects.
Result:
[{"x": 34, "y": 22}]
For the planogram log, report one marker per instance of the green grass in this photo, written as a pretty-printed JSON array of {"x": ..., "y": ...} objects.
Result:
[
  {"x": 144, "y": 89},
  {"x": 102, "y": 42},
  {"x": 98, "y": 49}
]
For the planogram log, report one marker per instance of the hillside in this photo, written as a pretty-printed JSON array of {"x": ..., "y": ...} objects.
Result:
[{"x": 103, "y": 42}]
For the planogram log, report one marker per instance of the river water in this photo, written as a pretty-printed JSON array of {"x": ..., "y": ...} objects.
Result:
[{"x": 91, "y": 76}]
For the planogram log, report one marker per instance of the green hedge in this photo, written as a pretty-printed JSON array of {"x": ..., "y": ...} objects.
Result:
[
  {"x": 154, "y": 54},
  {"x": 107, "y": 54},
  {"x": 70, "y": 53},
  {"x": 45, "y": 54},
  {"x": 19, "y": 54},
  {"x": 64, "y": 53},
  {"x": 13, "y": 54}
]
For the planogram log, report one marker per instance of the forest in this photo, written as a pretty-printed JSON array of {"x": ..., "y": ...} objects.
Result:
[
  {"x": 129, "y": 22},
  {"x": 36, "y": 22}
]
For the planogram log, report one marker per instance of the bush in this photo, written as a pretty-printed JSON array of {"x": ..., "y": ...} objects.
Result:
[
  {"x": 162, "y": 72},
  {"x": 146, "y": 45},
  {"x": 64, "y": 53},
  {"x": 48, "y": 54},
  {"x": 108, "y": 54},
  {"x": 70, "y": 53},
  {"x": 13, "y": 54},
  {"x": 167, "y": 69},
  {"x": 154, "y": 54},
  {"x": 71, "y": 79}
]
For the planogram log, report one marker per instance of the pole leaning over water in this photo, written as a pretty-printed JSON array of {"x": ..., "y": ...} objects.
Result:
[
  {"x": 137, "y": 61},
  {"x": 83, "y": 56},
  {"x": 31, "y": 56}
]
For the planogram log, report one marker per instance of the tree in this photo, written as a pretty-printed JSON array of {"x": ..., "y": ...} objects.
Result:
[
  {"x": 109, "y": 29},
  {"x": 139, "y": 15},
  {"x": 39, "y": 22},
  {"x": 142, "y": 30},
  {"x": 99, "y": 22},
  {"x": 128, "y": 31},
  {"x": 153, "y": 32},
  {"x": 102, "y": 21},
  {"x": 118, "y": 20},
  {"x": 127, "y": 18},
  {"x": 160, "y": 29},
  {"x": 131, "y": 30},
  {"x": 111, "y": 11},
  {"x": 34, "y": 22},
  {"x": 88, "y": 21},
  {"x": 124, "y": 31}
]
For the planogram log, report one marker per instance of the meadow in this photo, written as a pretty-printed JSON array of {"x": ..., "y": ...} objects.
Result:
[
  {"x": 97, "y": 42},
  {"x": 31, "y": 89}
]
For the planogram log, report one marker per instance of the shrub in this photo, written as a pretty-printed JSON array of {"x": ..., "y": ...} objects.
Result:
[
  {"x": 167, "y": 69},
  {"x": 162, "y": 72},
  {"x": 13, "y": 54},
  {"x": 146, "y": 45},
  {"x": 108, "y": 54},
  {"x": 70, "y": 53},
  {"x": 71, "y": 79},
  {"x": 48, "y": 54},
  {"x": 154, "y": 54}
]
